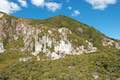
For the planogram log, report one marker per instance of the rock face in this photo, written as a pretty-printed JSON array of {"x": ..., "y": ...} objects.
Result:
[
  {"x": 53, "y": 37},
  {"x": 117, "y": 45},
  {"x": 53, "y": 48},
  {"x": 108, "y": 42}
]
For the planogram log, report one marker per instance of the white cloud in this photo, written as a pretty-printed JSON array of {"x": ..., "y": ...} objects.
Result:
[
  {"x": 53, "y": 6},
  {"x": 23, "y": 3},
  {"x": 101, "y": 4},
  {"x": 76, "y": 13},
  {"x": 8, "y": 7},
  {"x": 69, "y": 7},
  {"x": 38, "y": 3}
]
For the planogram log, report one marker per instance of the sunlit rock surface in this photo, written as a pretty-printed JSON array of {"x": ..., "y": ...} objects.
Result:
[
  {"x": 2, "y": 48},
  {"x": 117, "y": 45},
  {"x": 55, "y": 42},
  {"x": 107, "y": 42}
]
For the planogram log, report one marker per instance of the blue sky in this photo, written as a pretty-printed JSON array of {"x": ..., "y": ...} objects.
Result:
[{"x": 104, "y": 15}]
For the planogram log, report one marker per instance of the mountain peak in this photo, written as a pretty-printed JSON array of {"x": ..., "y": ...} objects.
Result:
[
  {"x": 60, "y": 17},
  {"x": 63, "y": 16}
]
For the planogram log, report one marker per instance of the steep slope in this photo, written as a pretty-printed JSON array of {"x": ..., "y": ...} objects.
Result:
[{"x": 28, "y": 40}]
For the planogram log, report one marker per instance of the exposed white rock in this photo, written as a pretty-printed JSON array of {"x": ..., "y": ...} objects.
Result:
[
  {"x": 79, "y": 50},
  {"x": 49, "y": 31},
  {"x": 54, "y": 56},
  {"x": 42, "y": 43},
  {"x": 24, "y": 59},
  {"x": 2, "y": 48},
  {"x": 35, "y": 53},
  {"x": 15, "y": 37},
  {"x": 38, "y": 58},
  {"x": 38, "y": 47},
  {"x": 64, "y": 31},
  {"x": 61, "y": 29},
  {"x": 117, "y": 45},
  {"x": 80, "y": 30},
  {"x": 1, "y": 15},
  {"x": 95, "y": 75},
  {"x": 47, "y": 44},
  {"x": 63, "y": 47},
  {"x": 90, "y": 48},
  {"x": 108, "y": 42}
]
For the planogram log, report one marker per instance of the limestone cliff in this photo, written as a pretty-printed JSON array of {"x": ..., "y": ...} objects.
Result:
[{"x": 55, "y": 37}]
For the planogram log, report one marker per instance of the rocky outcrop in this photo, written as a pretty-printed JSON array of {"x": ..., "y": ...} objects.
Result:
[
  {"x": 45, "y": 41},
  {"x": 108, "y": 42},
  {"x": 56, "y": 49},
  {"x": 55, "y": 42},
  {"x": 95, "y": 75},
  {"x": 117, "y": 45}
]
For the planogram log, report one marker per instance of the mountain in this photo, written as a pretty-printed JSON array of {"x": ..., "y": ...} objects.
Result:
[{"x": 57, "y": 48}]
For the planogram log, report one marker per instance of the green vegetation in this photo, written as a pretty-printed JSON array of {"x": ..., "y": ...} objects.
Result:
[
  {"x": 8, "y": 58},
  {"x": 83, "y": 67}
]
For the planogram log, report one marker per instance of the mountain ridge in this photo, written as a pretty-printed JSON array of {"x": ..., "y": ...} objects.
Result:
[
  {"x": 59, "y": 16},
  {"x": 58, "y": 24},
  {"x": 57, "y": 48}
]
